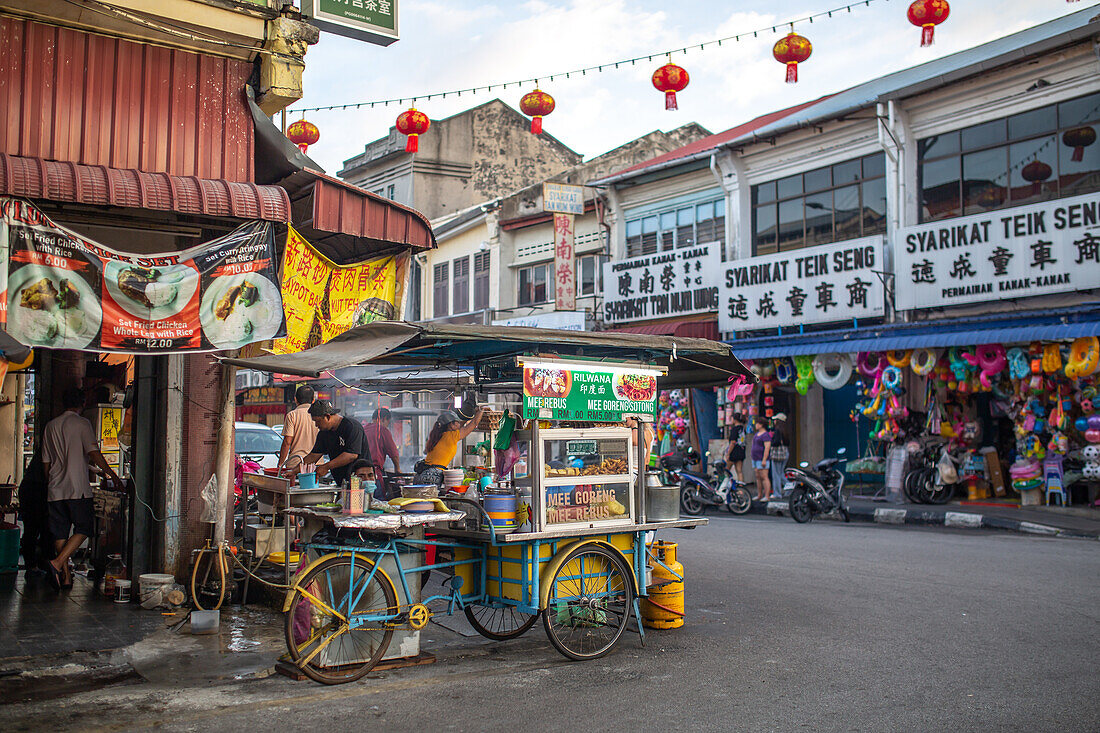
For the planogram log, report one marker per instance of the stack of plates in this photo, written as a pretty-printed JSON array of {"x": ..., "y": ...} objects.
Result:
[{"x": 453, "y": 477}]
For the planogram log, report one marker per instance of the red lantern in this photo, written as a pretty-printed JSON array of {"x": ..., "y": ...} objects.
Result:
[
  {"x": 670, "y": 79},
  {"x": 536, "y": 105},
  {"x": 928, "y": 14},
  {"x": 792, "y": 49},
  {"x": 303, "y": 134},
  {"x": 414, "y": 123},
  {"x": 1036, "y": 171},
  {"x": 1078, "y": 138}
]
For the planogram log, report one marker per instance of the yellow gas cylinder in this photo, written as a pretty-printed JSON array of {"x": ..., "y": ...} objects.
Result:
[{"x": 664, "y": 608}]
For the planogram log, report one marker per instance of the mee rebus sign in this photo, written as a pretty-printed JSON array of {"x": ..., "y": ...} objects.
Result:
[
  {"x": 373, "y": 21},
  {"x": 558, "y": 390}
]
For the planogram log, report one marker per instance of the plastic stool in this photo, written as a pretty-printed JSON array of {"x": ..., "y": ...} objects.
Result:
[{"x": 1052, "y": 474}]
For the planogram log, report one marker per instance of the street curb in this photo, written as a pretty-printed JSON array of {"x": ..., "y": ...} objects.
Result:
[{"x": 932, "y": 517}]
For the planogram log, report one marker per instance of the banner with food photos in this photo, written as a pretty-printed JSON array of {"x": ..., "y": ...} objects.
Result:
[{"x": 65, "y": 291}]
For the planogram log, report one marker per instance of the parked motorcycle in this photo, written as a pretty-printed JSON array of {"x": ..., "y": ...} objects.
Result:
[
  {"x": 817, "y": 491},
  {"x": 699, "y": 490}
]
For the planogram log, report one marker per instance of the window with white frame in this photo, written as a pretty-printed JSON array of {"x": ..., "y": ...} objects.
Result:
[
  {"x": 678, "y": 227},
  {"x": 535, "y": 284},
  {"x": 831, "y": 204},
  {"x": 440, "y": 278},
  {"x": 587, "y": 267},
  {"x": 461, "y": 289},
  {"x": 481, "y": 280}
]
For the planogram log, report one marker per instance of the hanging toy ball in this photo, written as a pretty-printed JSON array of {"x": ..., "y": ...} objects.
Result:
[{"x": 1092, "y": 436}]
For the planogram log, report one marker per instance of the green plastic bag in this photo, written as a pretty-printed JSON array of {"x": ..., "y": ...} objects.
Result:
[{"x": 503, "y": 437}]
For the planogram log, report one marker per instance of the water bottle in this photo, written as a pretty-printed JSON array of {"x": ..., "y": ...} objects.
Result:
[{"x": 473, "y": 516}]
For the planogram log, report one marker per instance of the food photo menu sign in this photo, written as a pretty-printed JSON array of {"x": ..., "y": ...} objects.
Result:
[
  {"x": 61, "y": 290},
  {"x": 555, "y": 390}
]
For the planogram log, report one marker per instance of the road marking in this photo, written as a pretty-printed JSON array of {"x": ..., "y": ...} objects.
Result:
[
  {"x": 962, "y": 519},
  {"x": 890, "y": 516}
]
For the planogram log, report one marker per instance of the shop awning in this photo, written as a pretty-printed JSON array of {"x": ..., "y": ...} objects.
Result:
[
  {"x": 94, "y": 185},
  {"x": 699, "y": 329},
  {"x": 12, "y": 350},
  {"x": 691, "y": 362},
  {"x": 998, "y": 328}
]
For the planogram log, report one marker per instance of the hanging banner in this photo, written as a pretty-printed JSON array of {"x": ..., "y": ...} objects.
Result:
[
  {"x": 830, "y": 282},
  {"x": 65, "y": 291},
  {"x": 1052, "y": 247},
  {"x": 679, "y": 282},
  {"x": 335, "y": 297},
  {"x": 565, "y": 279},
  {"x": 557, "y": 390}
]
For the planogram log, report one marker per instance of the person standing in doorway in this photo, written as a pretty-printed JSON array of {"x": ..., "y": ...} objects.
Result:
[
  {"x": 299, "y": 431},
  {"x": 68, "y": 448},
  {"x": 382, "y": 446},
  {"x": 761, "y": 447},
  {"x": 779, "y": 453},
  {"x": 735, "y": 454}
]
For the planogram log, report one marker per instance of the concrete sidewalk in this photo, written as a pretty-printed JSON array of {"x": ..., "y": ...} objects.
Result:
[{"x": 1054, "y": 521}]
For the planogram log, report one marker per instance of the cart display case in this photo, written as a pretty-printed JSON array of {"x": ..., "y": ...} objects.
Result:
[{"x": 588, "y": 477}]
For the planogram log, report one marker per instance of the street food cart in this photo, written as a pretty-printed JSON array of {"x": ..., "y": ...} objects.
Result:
[{"x": 580, "y": 562}]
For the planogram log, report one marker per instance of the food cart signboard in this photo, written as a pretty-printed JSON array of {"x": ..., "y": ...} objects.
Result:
[{"x": 557, "y": 390}]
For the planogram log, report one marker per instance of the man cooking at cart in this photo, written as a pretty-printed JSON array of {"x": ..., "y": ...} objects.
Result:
[{"x": 340, "y": 438}]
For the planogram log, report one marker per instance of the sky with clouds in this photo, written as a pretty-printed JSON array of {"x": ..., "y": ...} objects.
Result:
[{"x": 466, "y": 43}]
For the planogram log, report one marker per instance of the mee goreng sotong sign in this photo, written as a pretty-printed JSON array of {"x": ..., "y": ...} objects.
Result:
[{"x": 63, "y": 291}]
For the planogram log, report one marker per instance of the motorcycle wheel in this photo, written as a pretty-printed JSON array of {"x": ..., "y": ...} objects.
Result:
[
  {"x": 690, "y": 502},
  {"x": 740, "y": 500},
  {"x": 909, "y": 486},
  {"x": 845, "y": 514},
  {"x": 941, "y": 493},
  {"x": 799, "y": 506},
  {"x": 924, "y": 486}
]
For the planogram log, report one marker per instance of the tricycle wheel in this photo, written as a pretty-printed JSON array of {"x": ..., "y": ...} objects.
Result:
[
  {"x": 589, "y": 604},
  {"x": 499, "y": 623},
  {"x": 318, "y": 635}
]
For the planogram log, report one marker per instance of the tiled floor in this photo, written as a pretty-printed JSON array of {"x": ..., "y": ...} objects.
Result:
[{"x": 36, "y": 619}]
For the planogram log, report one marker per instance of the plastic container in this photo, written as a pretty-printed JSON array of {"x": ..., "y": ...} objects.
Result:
[
  {"x": 205, "y": 622},
  {"x": 116, "y": 570},
  {"x": 122, "y": 590},
  {"x": 501, "y": 509},
  {"x": 153, "y": 587},
  {"x": 307, "y": 480}
]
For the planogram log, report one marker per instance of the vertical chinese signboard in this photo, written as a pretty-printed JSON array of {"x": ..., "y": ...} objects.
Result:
[
  {"x": 832, "y": 282},
  {"x": 565, "y": 280},
  {"x": 1052, "y": 247}
]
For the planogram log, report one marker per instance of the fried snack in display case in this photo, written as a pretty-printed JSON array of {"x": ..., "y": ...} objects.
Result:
[{"x": 588, "y": 475}]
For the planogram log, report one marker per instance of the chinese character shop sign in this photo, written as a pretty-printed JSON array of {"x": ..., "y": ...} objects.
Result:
[
  {"x": 1052, "y": 247},
  {"x": 832, "y": 282},
  {"x": 373, "y": 21},
  {"x": 565, "y": 277},
  {"x": 675, "y": 283}
]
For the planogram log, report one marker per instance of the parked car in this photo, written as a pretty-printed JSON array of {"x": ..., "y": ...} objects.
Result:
[{"x": 259, "y": 443}]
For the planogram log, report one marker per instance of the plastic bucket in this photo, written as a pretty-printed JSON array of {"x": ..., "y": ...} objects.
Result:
[
  {"x": 154, "y": 585},
  {"x": 122, "y": 591},
  {"x": 307, "y": 480},
  {"x": 501, "y": 509}
]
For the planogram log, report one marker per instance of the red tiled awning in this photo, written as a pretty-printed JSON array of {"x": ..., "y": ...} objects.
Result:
[
  {"x": 705, "y": 329},
  {"x": 36, "y": 178}
]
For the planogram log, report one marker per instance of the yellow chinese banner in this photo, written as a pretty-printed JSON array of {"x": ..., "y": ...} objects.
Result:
[
  {"x": 359, "y": 294},
  {"x": 305, "y": 279},
  {"x": 336, "y": 297}
]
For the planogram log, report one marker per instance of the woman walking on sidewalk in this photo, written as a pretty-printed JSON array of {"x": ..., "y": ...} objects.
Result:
[
  {"x": 761, "y": 448},
  {"x": 778, "y": 454}
]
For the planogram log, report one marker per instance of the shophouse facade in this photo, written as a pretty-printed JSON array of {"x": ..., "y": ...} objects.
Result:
[{"x": 829, "y": 209}]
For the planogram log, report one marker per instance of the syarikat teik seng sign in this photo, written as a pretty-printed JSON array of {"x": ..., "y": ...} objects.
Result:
[
  {"x": 830, "y": 282},
  {"x": 679, "y": 282},
  {"x": 1052, "y": 247}
]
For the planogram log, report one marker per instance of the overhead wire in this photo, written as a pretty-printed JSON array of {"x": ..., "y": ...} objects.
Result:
[{"x": 774, "y": 28}]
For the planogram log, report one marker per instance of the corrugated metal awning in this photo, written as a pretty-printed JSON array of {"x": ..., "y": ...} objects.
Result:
[
  {"x": 700, "y": 329},
  {"x": 995, "y": 329},
  {"x": 95, "y": 185}
]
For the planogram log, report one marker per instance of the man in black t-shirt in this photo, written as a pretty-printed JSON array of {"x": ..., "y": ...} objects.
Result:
[{"x": 340, "y": 438}]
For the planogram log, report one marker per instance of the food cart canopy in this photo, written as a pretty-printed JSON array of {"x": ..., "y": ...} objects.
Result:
[
  {"x": 690, "y": 362},
  {"x": 11, "y": 349}
]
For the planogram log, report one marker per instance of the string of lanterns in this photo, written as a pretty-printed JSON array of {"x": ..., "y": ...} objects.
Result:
[{"x": 790, "y": 50}]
